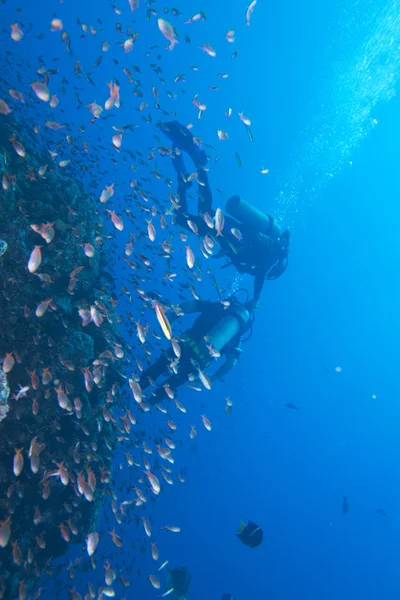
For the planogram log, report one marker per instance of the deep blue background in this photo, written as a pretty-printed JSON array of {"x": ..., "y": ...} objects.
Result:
[{"x": 337, "y": 305}]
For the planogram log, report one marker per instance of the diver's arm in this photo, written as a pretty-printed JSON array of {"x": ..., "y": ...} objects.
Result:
[
  {"x": 192, "y": 306},
  {"x": 228, "y": 365},
  {"x": 186, "y": 307},
  {"x": 154, "y": 371},
  {"x": 183, "y": 221},
  {"x": 231, "y": 360},
  {"x": 195, "y": 306},
  {"x": 258, "y": 286}
]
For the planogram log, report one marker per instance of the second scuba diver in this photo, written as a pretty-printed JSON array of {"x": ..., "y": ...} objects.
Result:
[
  {"x": 252, "y": 241},
  {"x": 217, "y": 331}
]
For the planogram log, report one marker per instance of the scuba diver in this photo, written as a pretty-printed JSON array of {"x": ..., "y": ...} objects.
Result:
[
  {"x": 217, "y": 331},
  {"x": 178, "y": 581},
  {"x": 252, "y": 241},
  {"x": 251, "y": 534}
]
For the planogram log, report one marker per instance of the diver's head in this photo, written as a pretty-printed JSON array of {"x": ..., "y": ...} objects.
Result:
[{"x": 239, "y": 297}]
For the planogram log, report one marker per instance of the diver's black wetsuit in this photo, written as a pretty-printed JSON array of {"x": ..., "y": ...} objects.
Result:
[
  {"x": 194, "y": 348},
  {"x": 255, "y": 254}
]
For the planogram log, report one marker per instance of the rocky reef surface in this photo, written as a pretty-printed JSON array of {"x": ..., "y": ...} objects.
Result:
[{"x": 61, "y": 354}]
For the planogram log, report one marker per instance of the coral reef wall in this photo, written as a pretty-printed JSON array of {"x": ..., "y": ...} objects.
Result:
[{"x": 61, "y": 354}]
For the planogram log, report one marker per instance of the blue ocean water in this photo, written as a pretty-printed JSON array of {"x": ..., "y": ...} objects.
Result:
[{"x": 318, "y": 83}]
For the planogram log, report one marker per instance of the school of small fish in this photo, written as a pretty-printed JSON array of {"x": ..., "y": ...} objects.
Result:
[{"x": 137, "y": 223}]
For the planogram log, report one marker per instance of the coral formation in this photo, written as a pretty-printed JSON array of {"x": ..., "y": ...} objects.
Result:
[
  {"x": 4, "y": 394},
  {"x": 64, "y": 380},
  {"x": 3, "y": 247}
]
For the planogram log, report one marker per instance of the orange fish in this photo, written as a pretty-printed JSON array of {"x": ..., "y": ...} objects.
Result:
[
  {"x": 172, "y": 528},
  {"x": 116, "y": 539},
  {"x": 54, "y": 101},
  {"x": 113, "y": 100},
  {"x": 208, "y": 50},
  {"x": 18, "y": 463},
  {"x": 16, "y": 33},
  {"x": 63, "y": 399},
  {"x": 89, "y": 250},
  {"x": 46, "y": 376},
  {"x": 42, "y": 307},
  {"x": 46, "y": 231},
  {"x": 168, "y": 31},
  {"x": 91, "y": 543},
  {"x": 54, "y": 125},
  {"x": 136, "y": 390},
  {"x": 34, "y": 380},
  {"x": 155, "y": 582},
  {"x": 18, "y": 147},
  {"x": 244, "y": 119},
  {"x": 95, "y": 109},
  {"x": 35, "y": 259},
  {"x": 250, "y": 11},
  {"x": 8, "y": 362},
  {"x": 117, "y": 140},
  {"x": 116, "y": 220},
  {"x": 16, "y": 95},
  {"x": 222, "y": 135},
  {"x": 65, "y": 533},
  {"x": 41, "y": 90},
  {"x": 17, "y": 554},
  {"x": 151, "y": 231},
  {"x": 146, "y": 526},
  {"x": 189, "y": 257},
  {"x": 206, "y": 422},
  {"x": 154, "y": 551},
  {"x": 4, "y": 108},
  {"x": 107, "y": 193},
  {"x": 162, "y": 319},
  {"x": 155, "y": 484},
  {"x": 56, "y": 25},
  {"x": 219, "y": 221},
  {"x": 5, "y": 532}
]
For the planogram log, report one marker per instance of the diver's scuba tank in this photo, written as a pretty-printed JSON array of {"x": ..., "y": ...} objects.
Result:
[
  {"x": 255, "y": 219},
  {"x": 233, "y": 323}
]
